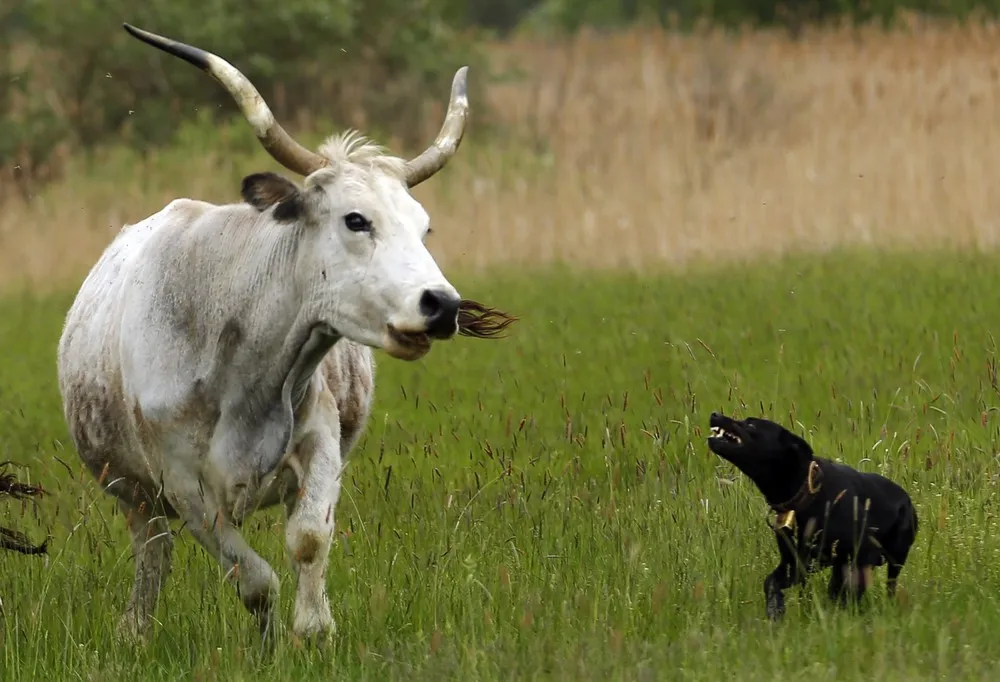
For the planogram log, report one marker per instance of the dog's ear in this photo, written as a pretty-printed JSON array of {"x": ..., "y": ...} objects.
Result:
[{"x": 796, "y": 444}]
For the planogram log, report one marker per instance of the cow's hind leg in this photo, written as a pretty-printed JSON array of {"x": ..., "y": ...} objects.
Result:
[{"x": 152, "y": 547}]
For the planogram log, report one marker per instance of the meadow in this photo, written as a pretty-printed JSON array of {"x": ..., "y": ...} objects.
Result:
[{"x": 802, "y": 231}]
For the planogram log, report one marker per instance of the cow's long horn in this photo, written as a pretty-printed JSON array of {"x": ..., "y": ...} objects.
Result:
[
  {"x": 433, "y": 159},
  {"x": 272, "y": 136}
]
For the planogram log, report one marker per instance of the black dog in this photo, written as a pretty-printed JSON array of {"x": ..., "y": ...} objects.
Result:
[{"x": 828, "y": 513}]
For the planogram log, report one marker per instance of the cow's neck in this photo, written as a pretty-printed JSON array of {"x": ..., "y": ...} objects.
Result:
[
  {"x": 310, "y": 349},
  {"x": 287, "y": 337},
  {"x": 306, "y": 342}
]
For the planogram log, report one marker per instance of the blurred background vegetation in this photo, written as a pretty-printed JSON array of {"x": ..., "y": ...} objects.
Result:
[{"x": 71, "y": 80}]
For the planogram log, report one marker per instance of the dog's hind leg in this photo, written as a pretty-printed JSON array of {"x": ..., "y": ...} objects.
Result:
[
  {"x": 849, "y": 582},
  {"x": 844, "y": 583},
  {"x": 896, "y": 559},
  {"x": 835, "y": 588},
  {"x": 864, "y": 578},
  {"x": 895, "y": 562},
  {"x": 891, "y": 578},
  {"x": 896, "y": 555}
]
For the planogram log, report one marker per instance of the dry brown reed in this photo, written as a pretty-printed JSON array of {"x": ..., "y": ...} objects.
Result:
[
  {"x": 647, "y": 149},
  {"x": 11, "y": 539}
]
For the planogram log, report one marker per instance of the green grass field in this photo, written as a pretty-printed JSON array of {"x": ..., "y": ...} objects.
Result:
[{"x": 545, "y": 506}]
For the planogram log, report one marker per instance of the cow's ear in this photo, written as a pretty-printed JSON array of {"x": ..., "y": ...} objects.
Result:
[{"x": 264, "y": 190}]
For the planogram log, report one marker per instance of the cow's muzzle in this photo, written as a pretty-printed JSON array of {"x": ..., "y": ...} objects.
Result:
[{"x": 440, "y": 308}]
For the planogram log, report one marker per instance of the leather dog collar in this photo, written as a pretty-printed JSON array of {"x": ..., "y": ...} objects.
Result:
[{"x": 810, "y": 488}]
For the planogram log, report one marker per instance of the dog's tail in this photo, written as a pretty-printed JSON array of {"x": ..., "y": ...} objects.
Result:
[{"x": 907, "y": 525}]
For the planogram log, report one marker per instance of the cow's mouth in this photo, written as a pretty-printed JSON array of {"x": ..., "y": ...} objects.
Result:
[{"x": 413, "y": 344}]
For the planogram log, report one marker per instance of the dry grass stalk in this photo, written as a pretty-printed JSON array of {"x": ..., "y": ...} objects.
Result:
[{"x": 12, "y": 539}]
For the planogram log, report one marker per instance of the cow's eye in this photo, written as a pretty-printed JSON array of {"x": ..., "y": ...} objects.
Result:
[{"x": 356, "y": 222}]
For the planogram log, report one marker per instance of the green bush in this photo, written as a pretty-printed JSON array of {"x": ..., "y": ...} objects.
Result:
[{"x": 73, "y": 79}]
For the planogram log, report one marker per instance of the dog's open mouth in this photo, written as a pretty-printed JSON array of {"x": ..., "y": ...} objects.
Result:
[{"x": 722, "y": 434}]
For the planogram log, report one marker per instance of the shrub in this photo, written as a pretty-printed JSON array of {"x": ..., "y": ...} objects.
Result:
[{"x": 74, "y": 80}]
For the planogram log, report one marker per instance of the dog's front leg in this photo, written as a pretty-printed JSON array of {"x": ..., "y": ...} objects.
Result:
[
  {"x": 775, "y": 584},
  {"x": 858, "y": 578},
  {"x": 788, "y": 572}
]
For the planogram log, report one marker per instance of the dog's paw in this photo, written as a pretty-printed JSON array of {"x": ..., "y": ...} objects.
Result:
[{"x": 775, "y": 608}]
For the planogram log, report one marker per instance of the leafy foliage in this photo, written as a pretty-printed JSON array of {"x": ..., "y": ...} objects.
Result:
[{"x": 73, "y": 79}]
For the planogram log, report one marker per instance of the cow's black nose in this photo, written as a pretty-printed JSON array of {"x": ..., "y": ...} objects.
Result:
[{"x": 441, "y": 310}]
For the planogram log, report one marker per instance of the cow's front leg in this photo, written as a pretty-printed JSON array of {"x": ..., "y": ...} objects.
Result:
[
  {"x": 207, "y": 520},
  {"x": 309, "y": 532}
]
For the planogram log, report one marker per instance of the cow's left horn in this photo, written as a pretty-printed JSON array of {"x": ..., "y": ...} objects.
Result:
[
  {"x": 433, "y": 159},
  {"x": 272, "y": 136}
]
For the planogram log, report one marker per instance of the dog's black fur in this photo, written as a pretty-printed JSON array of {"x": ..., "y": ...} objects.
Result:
[{"x": 841, "y": 518}]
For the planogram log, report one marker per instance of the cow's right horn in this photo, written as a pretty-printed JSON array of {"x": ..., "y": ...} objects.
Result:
[
  {"x": 433, "y": 159},
  {"x": 272, "y": 136}
]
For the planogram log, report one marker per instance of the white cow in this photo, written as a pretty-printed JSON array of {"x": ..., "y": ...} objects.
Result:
[{"x": 217, "y": 359}]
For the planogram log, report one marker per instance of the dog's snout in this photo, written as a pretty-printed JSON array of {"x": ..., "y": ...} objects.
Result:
[{"x": 440, "y": 307}]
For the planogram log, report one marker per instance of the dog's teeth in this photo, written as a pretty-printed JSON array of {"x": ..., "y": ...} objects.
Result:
[{"x": 719, "y": 432}]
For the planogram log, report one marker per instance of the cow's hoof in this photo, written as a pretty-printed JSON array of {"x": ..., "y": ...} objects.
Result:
[
  {"x": 316, "y": 640},
  {"x": 132, "y": 630},
  {"x": 313, "y": 619}
]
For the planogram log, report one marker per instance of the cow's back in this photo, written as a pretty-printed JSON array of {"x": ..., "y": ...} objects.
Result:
[{"x": 98, "y": 412}]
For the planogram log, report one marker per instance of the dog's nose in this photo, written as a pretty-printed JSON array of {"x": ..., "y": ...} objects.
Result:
[{"x": 441, "y": 310}]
